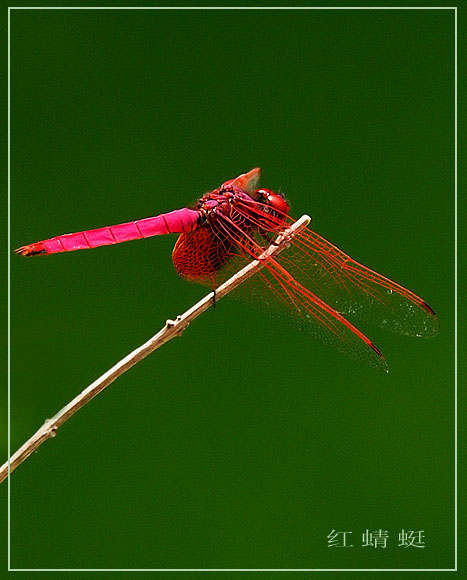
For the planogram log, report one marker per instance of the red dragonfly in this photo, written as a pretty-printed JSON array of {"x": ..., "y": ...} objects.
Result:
[{"x": 312, "y": 284}]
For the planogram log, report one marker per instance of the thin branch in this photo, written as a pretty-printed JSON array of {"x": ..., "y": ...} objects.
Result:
[{"x": 171, "y": 329}]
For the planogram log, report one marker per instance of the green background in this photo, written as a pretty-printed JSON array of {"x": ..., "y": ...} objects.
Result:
[{"x": 243, "y": 443}]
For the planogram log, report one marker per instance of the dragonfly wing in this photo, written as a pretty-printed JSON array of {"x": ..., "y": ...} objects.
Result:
[
  {"x": 199, "y": 255},
  {"x": 274, "y": 291},
  {"x": 356, "y": 291}
]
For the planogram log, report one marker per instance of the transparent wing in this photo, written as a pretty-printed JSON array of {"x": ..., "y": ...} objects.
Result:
[
  {"x": 356, "y": 291},
  {"x": 275, "y": 291},
  {"x": 351, "y": 288},
  {"x": 312, "y": 285}
]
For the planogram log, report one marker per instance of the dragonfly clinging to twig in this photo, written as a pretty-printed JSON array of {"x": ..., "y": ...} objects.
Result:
[{"x": 313, "y": 284}]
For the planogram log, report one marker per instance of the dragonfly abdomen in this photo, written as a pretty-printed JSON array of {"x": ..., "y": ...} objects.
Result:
[{"x": 177, "y": 221}]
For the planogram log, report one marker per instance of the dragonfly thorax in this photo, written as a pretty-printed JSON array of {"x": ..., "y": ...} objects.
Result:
[{"x": 221, "y": 202}]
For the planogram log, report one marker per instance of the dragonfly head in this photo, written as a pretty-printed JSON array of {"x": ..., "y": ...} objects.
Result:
[{"x": 276, "y": 201}]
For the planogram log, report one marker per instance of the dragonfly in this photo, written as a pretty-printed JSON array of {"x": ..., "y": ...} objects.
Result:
[{"x": 312, "y": 285}]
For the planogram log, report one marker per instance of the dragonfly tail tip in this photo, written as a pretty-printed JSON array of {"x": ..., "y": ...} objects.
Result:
[
  {"x": 23, "y": 251},
  {"x": 31, "y": 250}
]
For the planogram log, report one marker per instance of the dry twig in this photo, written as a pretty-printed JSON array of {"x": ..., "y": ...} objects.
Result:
[{"x": 171, "y": 329}]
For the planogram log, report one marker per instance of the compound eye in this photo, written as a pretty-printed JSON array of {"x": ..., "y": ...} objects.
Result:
[{"x": 275, "y": 200}]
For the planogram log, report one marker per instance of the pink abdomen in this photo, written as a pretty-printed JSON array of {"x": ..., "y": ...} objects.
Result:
[{"x": 178, "y": 221}]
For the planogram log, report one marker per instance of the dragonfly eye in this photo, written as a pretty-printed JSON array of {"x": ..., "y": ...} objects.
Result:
[{"x": 275, "y": 200}]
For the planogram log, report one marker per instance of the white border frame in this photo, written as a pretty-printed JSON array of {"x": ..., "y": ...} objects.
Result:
[{"x": 455, "y": 569}]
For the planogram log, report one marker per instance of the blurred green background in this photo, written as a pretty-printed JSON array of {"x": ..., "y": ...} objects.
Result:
[{"x": 243, "y": 443}]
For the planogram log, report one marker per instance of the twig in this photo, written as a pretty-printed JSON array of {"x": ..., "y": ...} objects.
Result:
[{"x": 171, "y": 329}]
